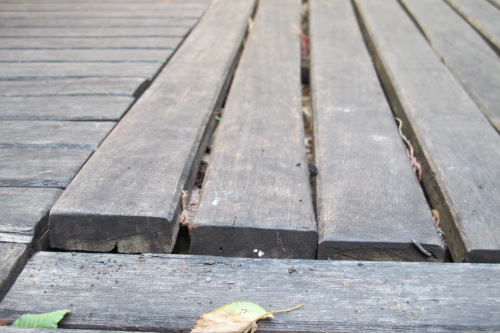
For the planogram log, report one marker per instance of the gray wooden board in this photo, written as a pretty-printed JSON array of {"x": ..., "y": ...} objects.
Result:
[
  {"x": 72, "y": 55},
  {"x": 495, "y": 2},
  {"x": 459, "y": 149},
  {"x": 474, "y": 63},
  {"x": 483, "y": 16},
  {"x": 96, "y": 32},
  {"x": 90, "y": 43},
  {"x": 64, "y": 107},
  {"x": 256, "y": 194},
  {"x": 62, "y": 22},
  {"x": 88, "y": 11},
  {"x": 45, "y": 70},
  {"x": 114, "y": 292},
  {"x": 12, "y": 259},
  {"x": 369, "y": 202},
  {"x": 30, "y": 134},
  {"x": 98, "y": 6},
  {"x": 76, "y": 86},
  {"x": 9, "y": 329},
  {"x": 40, "y": 168},
  {"x": 128, "y": 194},
  {"x": 25, "y": 210}
]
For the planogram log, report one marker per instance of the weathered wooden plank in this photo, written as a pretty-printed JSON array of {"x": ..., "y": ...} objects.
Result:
[
  {"x": 8, "y": 329},
  {"x": 61, "y": 22},
  {"x": 88, "y": 12},
  {"x": 483, "y": 16},
  {"x": 459, "y": 149},
  {"x": 128, "y": 194},
  {"x": 64, "y": 107},
  {"x": 72, "y": 55},
  {"x": 25, "y": 211},
  {"x": 369, "y": 202},
  {"x": 45, "y": 70},
  {"x": 256, "y": 194},
  {"x": 78, "y": 86},
  {"x": 97, "y": 32},
  {"x": 40, "y": 168},
  {"x": 114, "y": 292},
  {"x": 474, "y": 63},
  {"x": 90, "y": 43},
  {"x": 98, "y": 6},
  {"x": 53, "y": 134},
  {"x": 12, "y": 260}
]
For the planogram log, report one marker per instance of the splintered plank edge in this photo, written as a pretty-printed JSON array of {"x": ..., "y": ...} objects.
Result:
[{"x": 12, "y": 259}]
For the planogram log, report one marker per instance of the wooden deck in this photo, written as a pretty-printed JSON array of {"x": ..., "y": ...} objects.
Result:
[{"x": 161, "y": 158}]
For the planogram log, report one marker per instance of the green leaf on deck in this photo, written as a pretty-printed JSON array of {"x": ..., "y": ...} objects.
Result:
[{"x": 43, "y": 320}]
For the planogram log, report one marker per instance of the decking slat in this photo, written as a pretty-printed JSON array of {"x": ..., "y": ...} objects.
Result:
[
  {"x": 89, "y": 12},
  {"x": 369, "y": 202},
  {"x": 129, "y": 192},
  {"x": 82, "y": 43},
  {"x": 12, "y": 260},
  {"x": 460, "y": 150},
  {"x": 114, "y": 292},
  {"x": 96, "y": 32},
  {"x": 84, "y": 6},
  {"x": 466, "y": 54},
  {"x": 61, "y": 22},
  {"x": 256, "y": 195}
]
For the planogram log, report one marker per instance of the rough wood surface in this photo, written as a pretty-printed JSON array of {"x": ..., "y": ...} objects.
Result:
[
  {"x": 474, "y": 63},
  {"x": 12, "y": 259},
  {"x": 84, "y": 6},
  {"x": 459, "y": 149},
  {"x": 40, "y": 168},
  {"x": 256, "y": 194},
  {"x": 53, "y": 134},
  {"x": 72, "y": 55},
  {"x": 88, "y": 11},
  {"x": 483, "y": 16},
  {"x": 90, "y": 43},
  {"x": 128, "y": 194},
  {"x": 64, "y": 107},
  {"x": 98, "y": 32},
  {"x": 25, "y": 211},
  {"x": 62, "y": 22},
  {"x": 369, "y": 202},
  {"x": 114, "y": 292}
]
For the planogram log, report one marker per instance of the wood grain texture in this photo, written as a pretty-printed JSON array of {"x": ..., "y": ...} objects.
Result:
[
  {"x": 64, "y": 107},
  {"x": 459, "y": 149},
  {"x": 40, "y": 168},
  {"x": 62, "y": 22},
  {"x": 88, "y": 11},
  {"x": 256, "y": 193},
  {"x": 12, "y": 259},
  {"x": 90, "y": 43},
  {"x": 128, "y": 194},
  {"x": 53, "y": 134},
  {"x": 114, "y": 292},
  {"x": 84, "y": 6},
  {"x": 98, "y": 32},
  {"x": 465, "y": 53},
  {"x": 369, "y": 202},
  {"x": 483, "y": 16},
  {"x": 25, "y": 211}
]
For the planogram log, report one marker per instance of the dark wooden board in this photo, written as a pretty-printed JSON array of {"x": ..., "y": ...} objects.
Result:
[
  {"x": 473, "y": 62},
  {"x": 97, "y": 32},
  {"x": 89, "y": 12},
  {"x": 72, "y": 55},
  {"x": 77, "y": 86},
  {"x": 90, "y": 43},
  {"x": 40, "y": 168},
  {"x": 128, "y": 194},
  {"x": 46, "y": 70},
  {"x": 256, "y": 195},
  {"x": 62, "y": 22},
  {"x": 114, "y": 292},
  {"x": 64, "y": 107},
  {"x": 369, "y": 202},
  {"x": 483, "y": 16},
  {"x": 53, "y": 134},
  {"x": 8, "y": 329},
  {"x": 25, "y": 212},
  {"x": 12, "y": 259},
  {"x": 459, "y": 149}
]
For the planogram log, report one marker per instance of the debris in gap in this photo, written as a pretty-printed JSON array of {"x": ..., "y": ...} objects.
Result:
[
  {"x": 417, "y": 167},
  {"x": 435, "y": 218},
  {"x": 313, "y": 170}
]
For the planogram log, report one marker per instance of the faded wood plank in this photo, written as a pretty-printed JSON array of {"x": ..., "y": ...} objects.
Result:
[
  {"x": 114, "y": 292},
  {"x": 64, "y": 107},
  {"x": 45, "y": 70},
  {"x": 459, "y": 149},
  {"x": 128, "y": 194},
  {"x": 88, "y": 12},
  {"x": 78, "y": 86},
  {"x": 90, "y": 43},
  {"x": 40, "y": 168},
  {"x": 97, "y": 32},
  {"x": 61, "y": 22},
  {"x": 53, "y": 134},
  {"x": 72, "y": 55},
  {"x": 8, "y": 329},
  {"x": 483, "y": 16},
  {"x": 369, "y": 202},
  {"x": 12, "y": 259},
  {"x": 256, "y": 194},
  {"x": 474, "y": 63},
  {"x": 25, "y": 211},
  {"x": 98, "y": 6}
]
